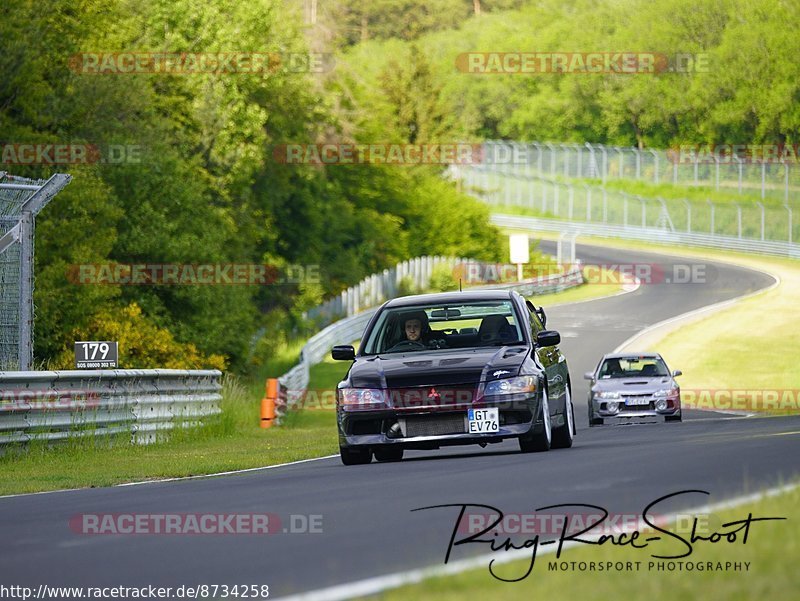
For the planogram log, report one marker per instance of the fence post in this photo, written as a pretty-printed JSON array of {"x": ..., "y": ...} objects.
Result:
[
  {"x": 711, "y": 204},
  {"x": 688, "y": 215},
  {"x": 788, "y": 208},
  {"x": 785, "y": 180},
  {"x": 625, "y": 210},
  {"x": 588, "y": 204},
  {"x": 738, "y": 219},
  {"x": 655, "y": 164},
  {"x": 571, "y": 200},
  {"x": 605, "y": 163},
  {"x": 761, "y": 206}
]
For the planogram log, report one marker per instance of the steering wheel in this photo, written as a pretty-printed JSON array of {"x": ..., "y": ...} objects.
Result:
[{"x": 408, "y": 345}]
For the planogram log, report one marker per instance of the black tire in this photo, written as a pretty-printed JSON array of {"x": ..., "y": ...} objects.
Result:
[
  {"x": 673, "y": 418},
  {"x": 540, "y": 441},
  {"x": 389, "y": 454},
  {"x": 563, "y": 436},
  {"x": 595, "y": 421},
  {"x": 357, "y": 456}
]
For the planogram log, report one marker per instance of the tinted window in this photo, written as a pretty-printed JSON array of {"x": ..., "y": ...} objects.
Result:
[{"x": 444, "y": 326}]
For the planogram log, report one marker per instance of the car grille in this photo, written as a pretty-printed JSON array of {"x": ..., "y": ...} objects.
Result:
[
  {"x": 434, "y": 425},
  {"x": 432, "y": 396}
]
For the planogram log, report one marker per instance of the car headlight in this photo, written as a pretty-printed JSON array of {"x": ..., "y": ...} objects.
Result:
[
  {"x": 520, "y": 384},
  {"x": 362, "y": 396},
  {"x": 606, "y": 395},
  {"x": 665, "y": 392}
]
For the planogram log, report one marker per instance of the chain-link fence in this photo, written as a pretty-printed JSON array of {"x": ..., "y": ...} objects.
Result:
[
  {"x": 541, "y": 197},
  {"x": 754, "y": 170},
  {"x": 20, "y": 200}
]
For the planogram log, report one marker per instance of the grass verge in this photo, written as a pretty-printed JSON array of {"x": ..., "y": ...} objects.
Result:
[{"x": 771, "y": 549}]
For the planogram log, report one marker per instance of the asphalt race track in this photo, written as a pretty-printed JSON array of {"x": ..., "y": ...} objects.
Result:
[{"x": 367, "y": 522}]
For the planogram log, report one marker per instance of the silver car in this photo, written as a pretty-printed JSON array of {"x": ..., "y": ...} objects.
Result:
[{"x": 626, "y": 385}]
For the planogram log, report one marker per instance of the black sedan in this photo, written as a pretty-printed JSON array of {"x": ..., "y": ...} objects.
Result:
[
  {"x": 452, "y": 369},
  {"x": 625, "y": 385}
]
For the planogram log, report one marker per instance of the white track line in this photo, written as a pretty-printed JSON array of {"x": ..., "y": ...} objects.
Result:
[{"x": 378, "y": 584}]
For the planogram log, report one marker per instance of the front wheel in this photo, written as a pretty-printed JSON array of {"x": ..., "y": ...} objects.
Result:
[
  {"x": 673, "y": 418},
  {"x": 563, "y": 436},
  {"x": 355, "y": 456},
  {"x": 540, "y": 441}
]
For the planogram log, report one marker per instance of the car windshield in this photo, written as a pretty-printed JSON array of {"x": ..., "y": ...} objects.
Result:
[
  {"x": 444, "y": 326},
  {"x": 633, "y": 367}
]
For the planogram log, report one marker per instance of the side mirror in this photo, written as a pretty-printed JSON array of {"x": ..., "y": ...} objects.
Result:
[
  {"x": 548, "y": 338},
  {"x": 343, "y": 352},
  {"x": 589, "y": 375},
  {"x": 677, "y": 373}
]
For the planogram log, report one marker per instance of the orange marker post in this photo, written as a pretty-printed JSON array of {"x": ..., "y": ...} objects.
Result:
[{"x": 268, "y": 403}]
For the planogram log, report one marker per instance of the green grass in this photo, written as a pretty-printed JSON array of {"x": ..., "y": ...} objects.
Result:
[{"x": 772, "y": 549}]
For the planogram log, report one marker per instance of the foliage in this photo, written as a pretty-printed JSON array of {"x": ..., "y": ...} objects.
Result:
[{"x": 142, "y": 344}]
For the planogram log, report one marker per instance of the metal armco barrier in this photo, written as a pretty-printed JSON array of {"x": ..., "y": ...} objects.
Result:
[
  {"x": 647, "y": 234},
  {"x": 55, "y": 405}
]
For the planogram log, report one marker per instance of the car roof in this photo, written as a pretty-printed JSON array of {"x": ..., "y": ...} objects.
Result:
[
  {"x": 632, "y": 356},
  {"x": 449, "y": 297}
]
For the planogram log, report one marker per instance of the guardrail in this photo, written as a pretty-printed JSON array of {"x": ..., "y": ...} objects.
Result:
[
  {"x": 294, "y": 382},
  {"x": 378, "y": 287},
  {"x": 55, "y": 405},
  {"x": 646, "y": 234}
]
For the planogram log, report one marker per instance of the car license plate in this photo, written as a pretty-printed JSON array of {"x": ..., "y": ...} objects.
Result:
[
  {"x": 482, "y": 421},
  {"x": 637, "y": 401}
]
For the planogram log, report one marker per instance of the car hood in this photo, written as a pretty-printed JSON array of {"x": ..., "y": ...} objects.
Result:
[
  {"x": 437, "y": 368},
  {"x": 634, "y": 385}
]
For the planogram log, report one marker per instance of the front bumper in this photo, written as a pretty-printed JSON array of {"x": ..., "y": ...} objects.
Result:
[
  {"x": 602, "y": 408},
  {"x": 432, "y": 427}
]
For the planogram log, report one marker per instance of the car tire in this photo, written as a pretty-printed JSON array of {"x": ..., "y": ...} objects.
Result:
[
  {"x": 673, "y": 418},
  {"x": 389, "y": 454},
  {"x": 563, "y": 436},
  {"x": 355, "y": 456},
  {"x": 595, "y": 421},
  {"x": 540, "y": 441}
]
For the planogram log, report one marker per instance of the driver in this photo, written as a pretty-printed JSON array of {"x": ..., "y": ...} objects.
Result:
[
  {"x": 416, "y": 327},
  {"x": 413, "y": 329}
]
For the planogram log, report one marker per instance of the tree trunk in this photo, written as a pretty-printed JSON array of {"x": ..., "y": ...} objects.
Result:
[{"x": 476, "y": 5}]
